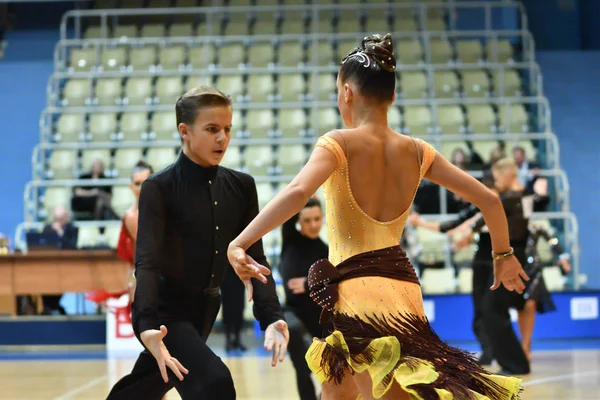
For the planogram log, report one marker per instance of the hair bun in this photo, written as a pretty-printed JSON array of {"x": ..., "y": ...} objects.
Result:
[{"x": 381, "y": 49}]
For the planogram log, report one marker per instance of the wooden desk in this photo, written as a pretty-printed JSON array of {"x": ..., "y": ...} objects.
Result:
[{"x": 57, "y": 272}]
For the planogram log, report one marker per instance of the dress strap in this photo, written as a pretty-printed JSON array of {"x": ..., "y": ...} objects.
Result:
[
  {"x": 419, "y": 152},
  {"x": 428, "y": 155},
  {"x": 333, "y": 146}
]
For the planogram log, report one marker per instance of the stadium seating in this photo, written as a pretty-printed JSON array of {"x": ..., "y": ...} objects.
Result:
[{"x": 112, "y": 95}]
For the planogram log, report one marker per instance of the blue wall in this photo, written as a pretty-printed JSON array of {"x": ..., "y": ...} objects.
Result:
[
  {"x": 24, "y": 73},
  {"x": 564, "y": 24},
  {"x": 576, "y": 316},
  {"x": 572, "y": 84}
]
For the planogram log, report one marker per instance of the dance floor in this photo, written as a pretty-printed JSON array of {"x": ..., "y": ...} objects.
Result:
[{"x": 561, "y": 371}]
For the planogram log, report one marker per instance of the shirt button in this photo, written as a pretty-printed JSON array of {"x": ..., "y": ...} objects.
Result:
[
  {"x": 216, "y": 251},
  {"x": 210, "y": 182},
  {"x": 216, "y": 202},
  {"x": 217, "y": 227},
  {"x": 213, "y": 275}
]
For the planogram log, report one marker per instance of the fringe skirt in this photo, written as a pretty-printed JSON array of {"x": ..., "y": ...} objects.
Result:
[{"x": 380, "y": 328}]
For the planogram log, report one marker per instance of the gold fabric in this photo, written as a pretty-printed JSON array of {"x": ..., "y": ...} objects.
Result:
[{"x": 351, "y": 231}]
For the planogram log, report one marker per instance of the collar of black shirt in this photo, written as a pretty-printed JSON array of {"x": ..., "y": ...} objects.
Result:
[{"x": 199, "y": 171}]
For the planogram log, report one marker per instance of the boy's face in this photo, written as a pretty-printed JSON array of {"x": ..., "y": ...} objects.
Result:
[{"x": 208, "y": 138}]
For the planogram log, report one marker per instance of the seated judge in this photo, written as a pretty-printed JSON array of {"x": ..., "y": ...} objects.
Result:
[{"x": 62, "y": 227}]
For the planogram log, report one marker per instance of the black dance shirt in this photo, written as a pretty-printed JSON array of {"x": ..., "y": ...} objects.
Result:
[
  {"x": 298, "y": 254},
  {"x": 188, "y": 215}
]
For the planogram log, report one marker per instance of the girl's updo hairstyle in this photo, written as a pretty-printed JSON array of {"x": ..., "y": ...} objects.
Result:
[{"x": 372, "y": 67}]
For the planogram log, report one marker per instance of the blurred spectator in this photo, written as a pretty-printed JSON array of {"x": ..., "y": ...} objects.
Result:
[
  {"x": 62, "y": 226},
  {"x": 67, "y": 233},
  {"x": 524, "y": 166},
  {"x": 468, "y": 160},
  {"x": 94, "y": 200},
  {"x": 460, "y": 159},
  {"x": 301, "y": 247}
]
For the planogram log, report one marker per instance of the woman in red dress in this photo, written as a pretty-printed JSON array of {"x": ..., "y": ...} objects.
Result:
[
  {"x": 127, "y": 236},
  {"x": 126, "y": 245}
]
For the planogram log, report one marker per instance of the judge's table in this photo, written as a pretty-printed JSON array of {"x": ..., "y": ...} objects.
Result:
[{"x": 57, "y": 272}]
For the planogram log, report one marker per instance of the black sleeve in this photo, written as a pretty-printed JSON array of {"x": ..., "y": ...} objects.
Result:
[
  {"x": 266, "y": 306},
  {"x": 48, "y": 229},
  {"x": 555, "y": 246},
  {"x": 148, "y": 257},
  {"x": 478, "y": 224},
  {"x": 540, "y": 203},
  {"x": 463, "y": 215}
]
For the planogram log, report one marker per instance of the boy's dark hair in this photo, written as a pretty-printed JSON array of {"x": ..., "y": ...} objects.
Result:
[
  {"x": 372, "y": 66},
  {"x": 188, "y": 105}
]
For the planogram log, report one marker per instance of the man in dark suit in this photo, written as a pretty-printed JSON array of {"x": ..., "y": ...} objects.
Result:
[
  {"x": 67, "y": 239},
  {"x": 524, "y": 167}
]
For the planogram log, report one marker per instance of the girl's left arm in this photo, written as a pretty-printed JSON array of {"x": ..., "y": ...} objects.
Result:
[{"x": 291, "y": 199}]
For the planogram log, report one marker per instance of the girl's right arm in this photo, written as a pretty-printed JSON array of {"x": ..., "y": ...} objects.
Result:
[{"x": 443, "y": 173}]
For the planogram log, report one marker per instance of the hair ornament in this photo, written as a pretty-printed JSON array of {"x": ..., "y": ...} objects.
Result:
[{"x": 361, "y": 56}]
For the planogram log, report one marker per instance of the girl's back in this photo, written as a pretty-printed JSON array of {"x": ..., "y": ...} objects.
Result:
[
  {"x": 383, "y": 168},
  {"x": 369, "y": 195}
]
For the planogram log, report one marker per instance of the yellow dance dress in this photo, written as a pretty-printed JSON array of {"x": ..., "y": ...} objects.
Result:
[{"x": 379, "y": 322}]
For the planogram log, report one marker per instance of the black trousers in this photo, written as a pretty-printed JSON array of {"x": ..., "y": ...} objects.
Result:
[
  {"x": 208, "y": 378},
  {"x": 300, "y": 322},
  {"x": 234, "y": 301},
  {"x": 504, "y": 342},
  {"x": 482, "y": 280}
]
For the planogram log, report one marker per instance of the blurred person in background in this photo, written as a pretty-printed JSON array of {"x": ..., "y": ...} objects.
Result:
[
  {"x": 301, "y": 247},
  {"x": 518, "y": 205},
  {"x": 232, "y": 316},
  {"x": 129, "y": 227},
  {"x": 67, "y": 233},
  {"x": 524, "y": 166},
  {"x": 536, "y": 296},
  {"x": 482, "y": 264},
  {"x": 127, "y": 238},
  {"x": 94, "y": 200},
  {"x": 460, "y": 159}
]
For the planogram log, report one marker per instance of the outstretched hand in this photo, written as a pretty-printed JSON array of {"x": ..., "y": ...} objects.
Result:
[
  {"x": 246, "y": 268},
  {"x": 509, "y": 273},
  {"x": 277, "y": 337},
  {"x": 153, "y": 340}
]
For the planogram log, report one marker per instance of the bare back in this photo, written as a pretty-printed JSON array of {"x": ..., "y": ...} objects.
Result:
[
  {"x": 371, "y": 191},
  {"x": 383, "y": 169}
]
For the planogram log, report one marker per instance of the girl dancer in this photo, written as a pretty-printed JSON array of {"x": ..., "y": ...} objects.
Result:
[{"x": 382, "y": 346}]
